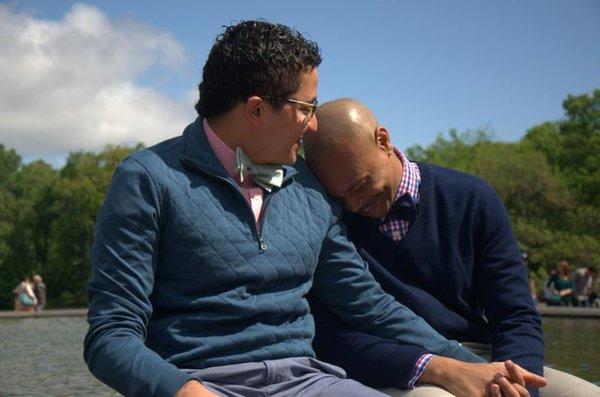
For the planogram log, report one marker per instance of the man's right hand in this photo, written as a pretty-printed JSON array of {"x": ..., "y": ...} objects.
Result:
[
  {"x": 193, "y": 388},
  {"x": 480, "y": 380}
]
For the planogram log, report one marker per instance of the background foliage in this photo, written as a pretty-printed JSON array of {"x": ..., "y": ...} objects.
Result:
[
  {"x": 549, "y": 182},
  {"x": 47, "y": 220}
]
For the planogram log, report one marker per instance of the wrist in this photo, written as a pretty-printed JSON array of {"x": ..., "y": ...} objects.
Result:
[
  {"x": 419, "y": 368},
  {"x": 194, "y": 388},
  {"x": 437, "y": 371}
]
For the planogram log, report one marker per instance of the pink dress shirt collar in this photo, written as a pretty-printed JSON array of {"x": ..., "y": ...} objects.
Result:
[{"x": 252, "y": 192}]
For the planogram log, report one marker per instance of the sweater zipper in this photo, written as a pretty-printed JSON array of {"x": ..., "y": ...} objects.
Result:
[{"x": 262, "y": 246}]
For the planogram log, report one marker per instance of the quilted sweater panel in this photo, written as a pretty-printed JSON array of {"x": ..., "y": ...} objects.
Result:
[{"x": 219, "y": 298}]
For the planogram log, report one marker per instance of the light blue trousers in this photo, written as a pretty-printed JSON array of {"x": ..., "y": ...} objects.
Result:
[{"x": 298, "y": 376}]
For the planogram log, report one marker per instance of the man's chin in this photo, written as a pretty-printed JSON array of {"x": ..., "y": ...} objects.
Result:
[
  {"x": 378, "y": 213},
  {"x": 291, "y": 159},
  {"x": 373, "y": 214}
]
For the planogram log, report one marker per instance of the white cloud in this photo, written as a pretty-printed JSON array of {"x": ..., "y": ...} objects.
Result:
[{"x": 71, "y": 84}]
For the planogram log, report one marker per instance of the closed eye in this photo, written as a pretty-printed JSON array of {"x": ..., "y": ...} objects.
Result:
[{"x": 360, "y": 186}]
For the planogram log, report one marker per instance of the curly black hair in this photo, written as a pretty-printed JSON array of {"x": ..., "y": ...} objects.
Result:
[{"x": 254, "y": 58}]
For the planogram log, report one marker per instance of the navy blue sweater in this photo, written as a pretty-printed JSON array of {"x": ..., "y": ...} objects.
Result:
[{"x": 458, "y": 267}]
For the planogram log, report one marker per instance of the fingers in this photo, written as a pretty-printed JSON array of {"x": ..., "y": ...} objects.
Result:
[
  {"x": 503, "y": 388},
  {"x": 515, "y": 373},
  {"x": 508, "y": 389},
  {"x": 526, "y": 377},
  {"x": 493, "y": 390},
  {"x": 534, "y": 380},
  {"x": 521, "y": 390}
]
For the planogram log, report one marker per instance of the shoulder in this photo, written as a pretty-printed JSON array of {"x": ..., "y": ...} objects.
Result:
[
  {"x": 162, "y": 155},
  {"x": 308, "y": 183},
  {"x": 450, "y": 181},
  {"x": 448, "y": 177},
  {"x": 161, "y": 163},
  {"x": 152, "y": 171}
]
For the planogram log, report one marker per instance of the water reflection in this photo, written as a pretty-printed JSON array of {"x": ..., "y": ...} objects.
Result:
[{"x": 43, "y": 356}]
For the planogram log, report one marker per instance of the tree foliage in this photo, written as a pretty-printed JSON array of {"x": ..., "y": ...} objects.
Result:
[
  {"x": 47, "y": 220},
  {"x": 549, "y": 181}
]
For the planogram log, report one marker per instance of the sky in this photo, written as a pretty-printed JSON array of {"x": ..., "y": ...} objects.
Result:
[{"x": 81, "y": 75}]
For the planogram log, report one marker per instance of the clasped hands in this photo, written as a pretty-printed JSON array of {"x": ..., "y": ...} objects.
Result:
[{"x": 480, "y": 380}]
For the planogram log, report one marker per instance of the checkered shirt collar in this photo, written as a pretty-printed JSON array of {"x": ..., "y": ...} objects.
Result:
[{"x": 411, "y": 178}]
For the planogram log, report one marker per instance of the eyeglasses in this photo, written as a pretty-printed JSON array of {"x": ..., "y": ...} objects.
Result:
[{"x": 307, "y": 108}]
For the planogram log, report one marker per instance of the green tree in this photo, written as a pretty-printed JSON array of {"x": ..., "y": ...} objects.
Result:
[
  {"x": 10, "y": 162},
  {"x": 523, "y": 179},
  {"x": 47, "y": 219},
  {"x": 572, "y": 146},
  {"x": 551, "y": 211},
  {"x": 456, "y": 151},
  {"x": 73, "y": 203},
  {"x": 520, "y": 174},
  {"x": 31, "y": 223}
]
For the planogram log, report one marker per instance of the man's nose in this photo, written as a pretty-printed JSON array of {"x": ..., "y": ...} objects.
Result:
[{"x": 312, "y": 125}]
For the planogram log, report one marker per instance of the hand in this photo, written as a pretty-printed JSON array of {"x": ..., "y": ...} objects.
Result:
[
  {"x": 193, "y": 388},
  {"x": 514, "y": 384},
  {"x": 480, "y": 380}
]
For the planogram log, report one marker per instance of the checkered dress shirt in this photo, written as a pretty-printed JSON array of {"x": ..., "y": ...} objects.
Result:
[{"x": 394, "y": 227}]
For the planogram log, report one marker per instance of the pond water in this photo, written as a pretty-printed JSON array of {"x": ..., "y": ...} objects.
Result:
[{"x": 43, "y": 356}]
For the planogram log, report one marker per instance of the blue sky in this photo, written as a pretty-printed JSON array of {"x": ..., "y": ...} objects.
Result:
[{"x": 423, "y": 67}]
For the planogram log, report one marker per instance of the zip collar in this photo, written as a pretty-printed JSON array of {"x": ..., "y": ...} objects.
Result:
[{"x": 197, "y": 151}]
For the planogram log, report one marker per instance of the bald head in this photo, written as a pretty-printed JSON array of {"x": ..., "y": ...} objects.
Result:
[
  {"x": 342, "y": 123},
  {"x": 352, "y": 156}
]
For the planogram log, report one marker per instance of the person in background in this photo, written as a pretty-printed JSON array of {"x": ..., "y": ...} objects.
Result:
[
  {"x": 440, "y": 242},
  {"x": 561, "y": 286},
  {"x": 531, "y": 281},
  {"x": 594, "y": 299},
  {"x": 551, "y": 296},
  {"x": 583, "y": 286},
  {"x": 39, "y": 289},
  {"x": 25, "y": 299}
]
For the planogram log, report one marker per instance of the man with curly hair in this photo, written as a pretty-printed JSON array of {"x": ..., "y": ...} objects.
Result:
[{"x": 207, "y": 244}]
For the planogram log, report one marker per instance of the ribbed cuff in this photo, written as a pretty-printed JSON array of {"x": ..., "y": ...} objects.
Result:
[{"x": 168, "y": 381}]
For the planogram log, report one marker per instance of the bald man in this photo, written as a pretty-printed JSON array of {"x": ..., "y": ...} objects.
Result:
[{"x": 436, "y": 239}]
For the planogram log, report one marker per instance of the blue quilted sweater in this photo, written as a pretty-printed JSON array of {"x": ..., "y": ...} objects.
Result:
[{"x": 182, "y": 280}]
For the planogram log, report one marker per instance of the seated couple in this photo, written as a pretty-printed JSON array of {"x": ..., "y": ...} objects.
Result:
[{"x": 208, "y": 244}]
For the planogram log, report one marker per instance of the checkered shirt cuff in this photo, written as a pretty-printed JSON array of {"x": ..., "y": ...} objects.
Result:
[{"x": 419, "y": 369}]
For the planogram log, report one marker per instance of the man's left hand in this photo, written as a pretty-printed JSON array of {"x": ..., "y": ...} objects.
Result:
[
  {"x": 480, "y": 380},
  {"x": 513, "y": 383}
]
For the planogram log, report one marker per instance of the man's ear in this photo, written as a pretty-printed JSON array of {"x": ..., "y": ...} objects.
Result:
[
  {"x": 253, "y": 110},
  {"x": 383, "y": 141}
]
